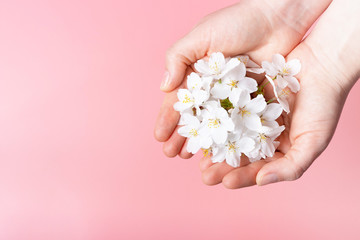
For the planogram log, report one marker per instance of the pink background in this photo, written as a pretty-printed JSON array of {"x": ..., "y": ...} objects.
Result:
[{"x": 79, "y": 94}]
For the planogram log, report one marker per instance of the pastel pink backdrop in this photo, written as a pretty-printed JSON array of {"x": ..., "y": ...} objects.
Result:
[{"x": 79, "y": 94}]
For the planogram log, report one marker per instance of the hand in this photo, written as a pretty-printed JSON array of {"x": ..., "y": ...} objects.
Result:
[
  {"x": 329, "y": 70},
  {"x": 255, "y": 28}
]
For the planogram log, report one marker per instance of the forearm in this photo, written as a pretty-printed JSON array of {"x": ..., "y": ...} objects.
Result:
[
  {"x": 335, "y": 41},
  {"x": 299, "y": 14}
]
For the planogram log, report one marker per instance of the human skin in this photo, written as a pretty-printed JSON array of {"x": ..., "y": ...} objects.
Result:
[{"x": 279, "y": 29}]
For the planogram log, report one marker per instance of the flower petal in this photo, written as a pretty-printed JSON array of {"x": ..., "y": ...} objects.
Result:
[
  {"x": 282, "y": 83},
  {"x": 231, "y": 64},
  {"x": 248, "y": 84},
  {"x": 220, "y": 90},
  {"x": 246, "y": 144},
  {"x": 202, "y": 67},
  {"x": 269, "y": 68},
  {"x": 200, "y": 96},
  {"x": 272, "y": 112},
  {"x": 278, "y": 60},
  {"x": 257, "y": 104},
  {"x": 194, "y": 81},
  {"x": 293, "y": 83},
  {"x": 219, "y": 135},
  {"x": 253, "y": 122},
  {"x": 294, "y": 67}
]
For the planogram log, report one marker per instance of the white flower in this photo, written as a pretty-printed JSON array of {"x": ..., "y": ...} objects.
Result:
[
  {"x": 246, "y": 111},
  {"x": 265, "y": 143},
  {"x": 232, "y": 150},
  {"x": 217, "y": 66},
  {"x": 233, "y": 83},
  {"x": 270, "y": 114},
  {"x": 250, "y": 65},
  {"x": 216, "y": 124},
  {"x": 280, "y": 95},
  {"x": 191, "y": 131},
  {"x": 190, "y": 100},
  {"x": 283, "y": 72},
  {"x": 195, "y": 82}
]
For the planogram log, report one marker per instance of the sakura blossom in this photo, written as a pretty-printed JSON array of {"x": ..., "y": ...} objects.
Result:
[{"x": 224, "y": 112}]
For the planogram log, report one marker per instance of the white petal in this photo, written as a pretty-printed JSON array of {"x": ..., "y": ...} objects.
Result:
[
  {"x": 200, "y": 96},
  {"x": 179, "y": 106},
  {"x": 219, "y": 135},
  {"x": 191, "y": 120},
  {"x": 202, "y": 67},
  {"x": 268, "y": 148},
  {"x": 256, "y": 70},
  {"x": 234, "y": 95},
  {"x": 294, "y": 67},
  {"x": 248, "y": 84},
  {"x": 228, "y": 124},
  {"x": 232, "y": 159},
  {"x": 184, "y": 131},
  {"x": 253, "y": 122},
  {"x": 244, "y": 99},
  {"x": 293, "y": 83},
  {"x": 269, "y": 68},
  {"x": 257, "y": 104},
  {"x": 272, "y": 112},
  {"x": 229, "y": 66},
  {"x": 246, "y": 144},
  {"x": 282, "y": 83},
  {"x": 220, "y": 90},
  {"x": 205, "y": 142},
  {"x": 284, "y": 104},
  {"x": 219, "y": 155},
  {"x": 194, "y": 81},
  {"x": 278, "y": 60},
  {"x": 193, "y": 145}
]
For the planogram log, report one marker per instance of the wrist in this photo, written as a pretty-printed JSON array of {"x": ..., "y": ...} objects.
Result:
[{"x": 335, "y": 42}]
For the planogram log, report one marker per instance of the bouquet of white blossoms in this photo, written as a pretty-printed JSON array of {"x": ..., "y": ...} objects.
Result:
[{"x": 224, "y": 112}]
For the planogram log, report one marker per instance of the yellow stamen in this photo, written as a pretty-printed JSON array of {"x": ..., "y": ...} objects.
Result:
[
  {"x": 285, "y": 71},
  {"x": 284, "y": 92},
  {"x": 232, "y": 147},
  {"x": 243, "y": 112},
  {"x": 187, "y": 99},
  {"x": 244, "y": 60},
  {"x": 215, "y": 67},
  {"x": 206, "y": 152},
  {"x": 193, "y": 132},
  {"x": 263, "y": 137},
  {"x": 214, "y": 123},
  {"x": 233, "y": 83}
]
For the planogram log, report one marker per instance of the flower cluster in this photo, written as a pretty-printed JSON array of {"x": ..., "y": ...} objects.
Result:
[{"x": 224, "y": 112}]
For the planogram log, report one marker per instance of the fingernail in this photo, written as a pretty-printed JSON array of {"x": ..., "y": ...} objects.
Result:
[
  {"x": 165, "y": 82},
  {"x": 269, "y": 178}
]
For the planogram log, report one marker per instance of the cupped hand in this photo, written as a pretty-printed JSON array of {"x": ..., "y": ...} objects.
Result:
[
  {"x": 255, "y": 28},
  {"x": 327, "y": 76}
]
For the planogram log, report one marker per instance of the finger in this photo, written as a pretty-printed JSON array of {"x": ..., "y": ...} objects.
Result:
[
  {"x": 167, "y": 118},
  {"x": 243, "y": 176},
  {"x": 246, "y": 176},
  {"x": 293, "y": 164},
  {"x": 184, "y": 153},
  {"x": 215, "y": 173},
  {"x": 205, "y": 163},
  {"x": 181, "y": 55},
  {"x": 173, "y": 146}
]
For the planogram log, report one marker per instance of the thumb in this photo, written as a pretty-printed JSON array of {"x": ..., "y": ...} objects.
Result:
[
  {"x": 182, "y": 54},
  {"x": 293, "y": 164}
]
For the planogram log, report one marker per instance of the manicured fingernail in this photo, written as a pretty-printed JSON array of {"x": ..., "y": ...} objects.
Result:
[
  {"x": 269, "y": 178},
  {"x": 166, "y": 81}
]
